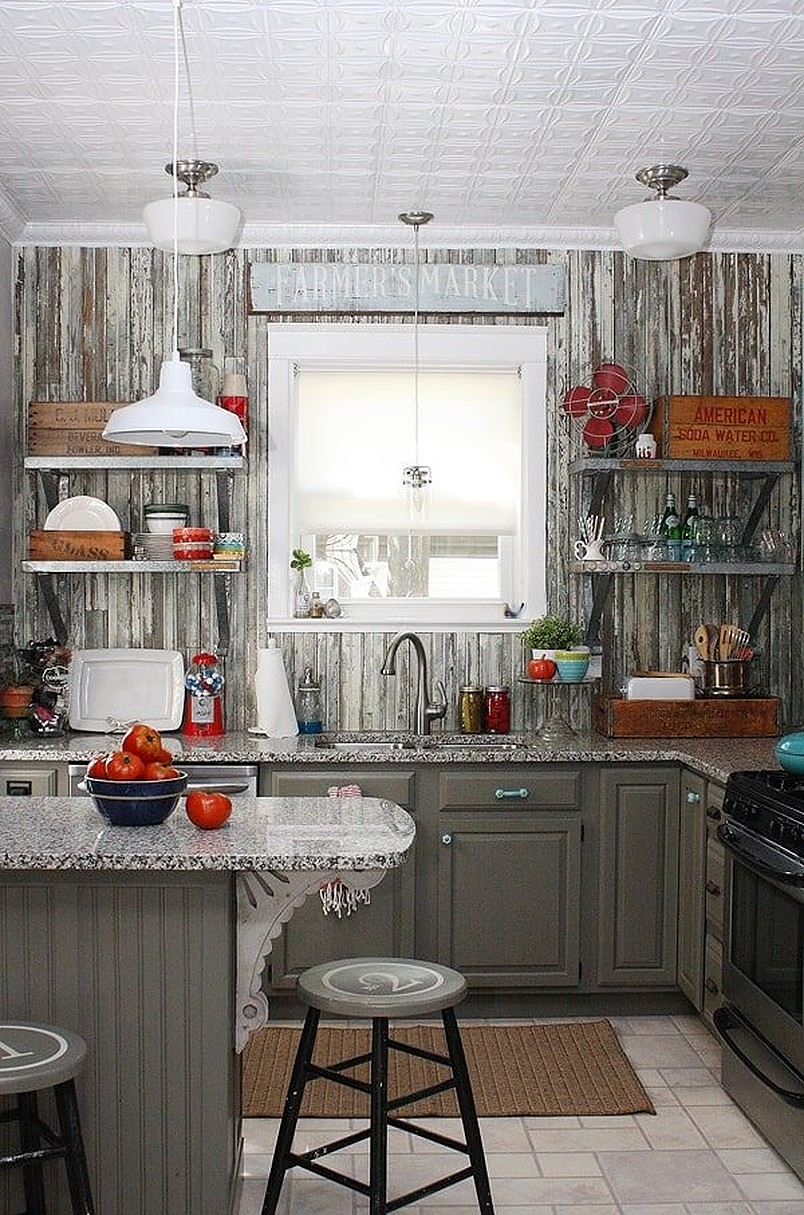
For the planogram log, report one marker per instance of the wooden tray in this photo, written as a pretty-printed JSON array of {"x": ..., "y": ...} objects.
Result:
[
  {"x": 77, "y": 546},
  {"x": 738, "y": 717}
]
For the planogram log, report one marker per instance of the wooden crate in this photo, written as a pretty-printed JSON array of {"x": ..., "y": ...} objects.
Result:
[
  {"x": 749, "y": 717},
  {"x": 77, "y": 546},
  {"x": 74, "y": 428},
  {"x": 722, "y": 428}
]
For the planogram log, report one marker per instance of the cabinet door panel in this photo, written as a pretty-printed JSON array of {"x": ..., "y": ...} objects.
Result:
[
  {"x": 638, "y": 878},
  {"x": 691, "y": 864},
  {"x": 509, "y": 898}
]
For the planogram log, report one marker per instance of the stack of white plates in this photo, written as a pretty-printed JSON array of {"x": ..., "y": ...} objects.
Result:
[{"x": 157, "y": 546}]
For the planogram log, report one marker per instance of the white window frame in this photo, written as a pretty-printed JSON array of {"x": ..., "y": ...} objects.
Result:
[{"x": 481, "y": 347}]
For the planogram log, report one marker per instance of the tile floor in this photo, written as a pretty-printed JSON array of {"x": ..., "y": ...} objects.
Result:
[{"x": 698, "y": 1155}]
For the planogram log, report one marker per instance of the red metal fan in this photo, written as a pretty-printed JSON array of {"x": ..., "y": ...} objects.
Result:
[{"x": 610, "y": 410}]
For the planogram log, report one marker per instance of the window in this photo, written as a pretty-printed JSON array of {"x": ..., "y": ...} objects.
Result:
[{"x": 342, "y": 427}]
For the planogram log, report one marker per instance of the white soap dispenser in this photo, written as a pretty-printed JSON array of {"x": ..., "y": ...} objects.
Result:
[{"x": 276, "y": 715}]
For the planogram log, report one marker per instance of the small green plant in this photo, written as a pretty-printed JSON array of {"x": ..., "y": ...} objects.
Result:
[
  {"x": 300, "y": 560},
  {"x": 551, "y": 633}
]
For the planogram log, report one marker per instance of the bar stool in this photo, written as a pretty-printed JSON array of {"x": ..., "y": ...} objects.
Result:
[
  {"x": 380, "y": 988},
  {"x": 35, "y": 1057}
]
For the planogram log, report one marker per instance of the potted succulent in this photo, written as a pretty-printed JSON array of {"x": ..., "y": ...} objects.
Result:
[{"x": 542, "y": 638}]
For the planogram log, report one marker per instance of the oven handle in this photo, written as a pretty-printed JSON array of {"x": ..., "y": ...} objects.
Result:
[
  {"x": 763, "y": 858},
  {"x": 725, "y": 1019}
]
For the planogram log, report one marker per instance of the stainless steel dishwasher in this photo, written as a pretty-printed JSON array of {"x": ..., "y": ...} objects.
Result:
[{"x": 236, "y": 780}]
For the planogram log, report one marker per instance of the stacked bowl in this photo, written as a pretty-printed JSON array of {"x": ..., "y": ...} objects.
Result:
[
  {"x": 192, "y": 543},
  {"x": 572, "y": 665}
]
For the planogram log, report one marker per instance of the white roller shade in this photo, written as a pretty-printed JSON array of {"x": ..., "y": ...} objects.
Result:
[{"x": 355, "y": 434}]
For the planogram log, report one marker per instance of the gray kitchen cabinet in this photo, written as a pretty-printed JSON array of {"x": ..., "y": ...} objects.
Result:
[
  {"x": 382, "y": 928},
  {"x": 691, "y": 878},
  {"x": 713, "y": 918},
  {"x": 637, "y": 877},
  {"x": 31, "y": 779},
  {"x": 509, "y": 876}
]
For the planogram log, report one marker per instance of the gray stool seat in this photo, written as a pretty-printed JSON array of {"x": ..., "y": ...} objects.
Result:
[
  {"x": 33, "y": 1057},
  {"x": 379, "y": 989}
]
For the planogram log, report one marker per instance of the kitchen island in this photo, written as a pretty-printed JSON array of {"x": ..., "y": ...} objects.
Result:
[{"x": 150, "y": 943}]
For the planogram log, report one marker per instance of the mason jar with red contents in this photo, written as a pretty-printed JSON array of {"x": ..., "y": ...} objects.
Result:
[{"x": 497, "y": 710}]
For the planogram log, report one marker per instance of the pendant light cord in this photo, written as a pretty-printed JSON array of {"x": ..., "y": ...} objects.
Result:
[
  {"x": 416, "y": 349},
  {"x": 178, "y": 38}
]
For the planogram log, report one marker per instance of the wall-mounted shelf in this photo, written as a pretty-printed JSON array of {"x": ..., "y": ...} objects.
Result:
[
  {"x": 131, "y": 567},
  {"x": 131, "y": 463},
  {"x": 602, "y": 471},
  {"x": 51, "y": 469}
]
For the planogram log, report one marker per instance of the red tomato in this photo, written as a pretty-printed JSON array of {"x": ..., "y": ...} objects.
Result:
[
  {"x": 208, "y": 810},
  {"x": 122, "y": 765},
  {"x": 164, "y": 756},
  {"x": 541, "y": 668},
  {"x": 97, "y": 766},
  {"x": 159, "y": 771},
  {"x": 143, "y": 741}
]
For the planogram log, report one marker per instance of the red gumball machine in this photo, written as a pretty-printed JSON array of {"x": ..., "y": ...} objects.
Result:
[{"x": 203, "y": 701}]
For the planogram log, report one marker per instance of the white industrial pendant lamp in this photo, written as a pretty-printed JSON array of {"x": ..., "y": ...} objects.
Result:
[
  {"x": 416, "y": 477},
  {"x": 205, "y": 225},
  {"x": 175, "y": 416},
  {"x": 663, "y": 228}
]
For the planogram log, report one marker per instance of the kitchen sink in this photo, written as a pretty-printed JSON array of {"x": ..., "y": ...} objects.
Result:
[
  {"x": 428, "y": 742},
  {"x": 356, "y": 747}
]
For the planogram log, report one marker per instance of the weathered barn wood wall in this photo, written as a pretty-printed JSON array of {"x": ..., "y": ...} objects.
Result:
[{"x": 94, "y": 324}]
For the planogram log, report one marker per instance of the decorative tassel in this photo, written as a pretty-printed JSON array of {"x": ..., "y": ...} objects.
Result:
[{"x": 336, "y": 895}]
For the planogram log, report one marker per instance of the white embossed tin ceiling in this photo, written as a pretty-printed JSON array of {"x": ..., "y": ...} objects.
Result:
[{"x": 515, "y": 122}]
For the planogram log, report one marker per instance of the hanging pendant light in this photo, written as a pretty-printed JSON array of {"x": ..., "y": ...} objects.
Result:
[
  {"x": 416, "y": 477},
  {"x": 205, "y": 225},
  {"x": 175, "y": 416},
  {"x": 663, "y": 228}
]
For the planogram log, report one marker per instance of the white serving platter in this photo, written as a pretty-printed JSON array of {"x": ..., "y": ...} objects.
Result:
[
  {"x": 110, "y": 689},
  {"x": 82, "y": 514}
]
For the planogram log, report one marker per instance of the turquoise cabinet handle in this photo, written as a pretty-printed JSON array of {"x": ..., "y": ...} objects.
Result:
[{"x": 500, "y": 794}]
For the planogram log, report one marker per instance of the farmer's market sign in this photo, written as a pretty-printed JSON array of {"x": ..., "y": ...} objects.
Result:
[{"x": 368, "y": 287}]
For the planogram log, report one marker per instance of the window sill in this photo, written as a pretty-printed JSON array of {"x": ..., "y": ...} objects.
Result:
[{"x": 354, "y": 624}]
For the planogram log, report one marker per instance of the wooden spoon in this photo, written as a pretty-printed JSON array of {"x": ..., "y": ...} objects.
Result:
[
  {"x": 701, "y": 639},
  {"x": 726, "y": 641}
]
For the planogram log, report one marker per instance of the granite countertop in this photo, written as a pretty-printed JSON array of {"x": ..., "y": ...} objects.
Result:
[
  {"x": 712, "y": 757},
  {"x": 278, "y": 833}
]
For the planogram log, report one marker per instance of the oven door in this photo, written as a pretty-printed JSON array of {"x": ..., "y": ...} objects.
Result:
[{"x": 763, "y": 964}]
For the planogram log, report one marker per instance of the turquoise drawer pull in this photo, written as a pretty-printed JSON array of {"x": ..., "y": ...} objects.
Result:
[{"x": 500, "y": 794}]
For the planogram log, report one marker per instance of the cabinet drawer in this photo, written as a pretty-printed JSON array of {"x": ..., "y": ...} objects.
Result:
[
  {"x": 518, "y": 788},
  {"x": 715, "y": 872},
  {"x": 395, "y": 786}
]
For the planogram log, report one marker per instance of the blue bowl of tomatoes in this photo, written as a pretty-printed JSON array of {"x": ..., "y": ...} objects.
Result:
[{"x": 136, "y": 803}]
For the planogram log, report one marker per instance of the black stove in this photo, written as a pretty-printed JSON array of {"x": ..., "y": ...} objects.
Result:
[{"x": 770, "y": 804}]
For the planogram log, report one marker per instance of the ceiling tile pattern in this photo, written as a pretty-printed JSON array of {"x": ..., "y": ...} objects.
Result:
[{"x": 514, "y": 122}]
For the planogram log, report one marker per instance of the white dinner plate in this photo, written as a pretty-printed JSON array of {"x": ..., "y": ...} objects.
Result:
[
  {"x": 82, "y": 514},
  {"x": 110, "y": 689}
]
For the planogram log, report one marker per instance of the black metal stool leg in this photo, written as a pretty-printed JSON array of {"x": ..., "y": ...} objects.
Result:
[
  {"x": 75, "y": 1157},
  {"x": 378, "y": 1138},
  {"x": 30, "y": 1142},
  {"x": 290, "y": 1114},
  {"x": 466, "y": 1105}
]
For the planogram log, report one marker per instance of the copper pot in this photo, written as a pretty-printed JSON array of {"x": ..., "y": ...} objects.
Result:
[{"x": 724, "y": 678}]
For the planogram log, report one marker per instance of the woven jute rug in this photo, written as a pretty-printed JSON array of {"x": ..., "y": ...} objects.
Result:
[{"x": 570, "y": 1067}]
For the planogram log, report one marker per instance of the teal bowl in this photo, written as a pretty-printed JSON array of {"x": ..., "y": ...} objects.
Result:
[
  {"x": 790, "y": 753},
  {"x": 572, "y": 670}
]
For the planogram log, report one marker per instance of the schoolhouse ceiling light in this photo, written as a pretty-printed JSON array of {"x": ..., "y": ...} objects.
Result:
[{"x": 663, "y": 228}]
